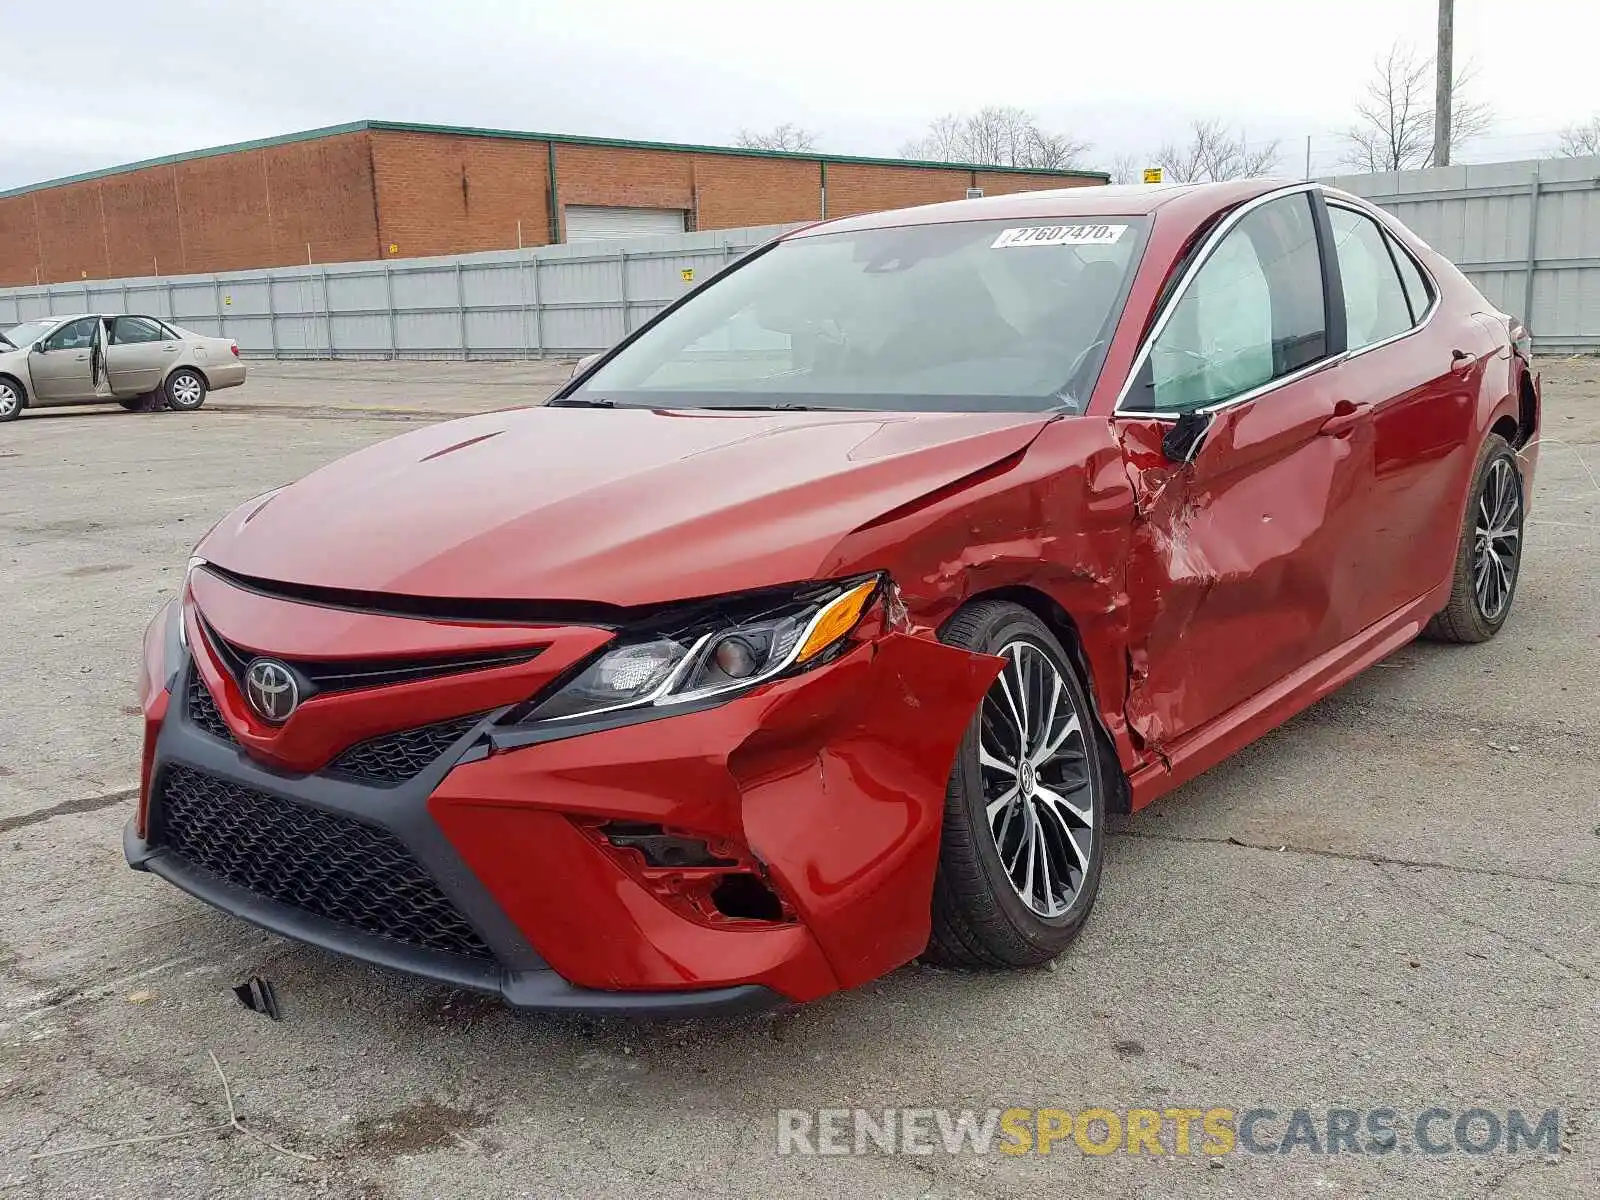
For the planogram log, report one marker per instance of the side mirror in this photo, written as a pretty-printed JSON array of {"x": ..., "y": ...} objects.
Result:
[
  {"x": 38, "y": 347},
  {"x": 584, "y": 363}
]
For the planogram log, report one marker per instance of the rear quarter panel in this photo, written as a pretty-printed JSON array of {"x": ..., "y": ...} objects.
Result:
[{"x": 214, "y": 358}]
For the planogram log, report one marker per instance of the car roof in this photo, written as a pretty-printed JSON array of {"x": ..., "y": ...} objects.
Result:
[
  {"x": 1119, "y": 200},
  {"x": 62, "y": 318}
]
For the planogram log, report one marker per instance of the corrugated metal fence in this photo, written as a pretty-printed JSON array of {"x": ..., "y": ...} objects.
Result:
[
  {"x": 553, "y": 301},
  {"x": 1526, "y": 233}
]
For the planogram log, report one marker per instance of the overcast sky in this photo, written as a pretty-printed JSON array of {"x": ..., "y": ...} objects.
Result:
[{"x": 95, "y": 84}]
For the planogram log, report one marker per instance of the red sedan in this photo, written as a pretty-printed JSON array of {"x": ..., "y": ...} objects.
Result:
[{"x": 820, "y": 624}]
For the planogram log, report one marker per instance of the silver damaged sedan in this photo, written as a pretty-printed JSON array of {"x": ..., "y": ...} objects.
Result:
[{"x": 142, "y": 363}]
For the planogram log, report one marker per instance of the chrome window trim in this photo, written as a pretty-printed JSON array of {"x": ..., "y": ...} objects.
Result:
[
  {"x": 1322, "y": 364},
  {"x": 1213, "y": 240},
  {"x": 1400, "y": 247}
]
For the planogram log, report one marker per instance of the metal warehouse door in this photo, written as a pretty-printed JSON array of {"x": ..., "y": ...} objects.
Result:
[{"x": 592, "y": 224}]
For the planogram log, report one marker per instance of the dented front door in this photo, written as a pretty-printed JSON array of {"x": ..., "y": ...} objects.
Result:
[{"x": 1245, "y": 563}]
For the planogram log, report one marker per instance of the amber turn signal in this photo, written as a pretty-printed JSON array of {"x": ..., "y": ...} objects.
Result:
[{"x": 836, "y": 620}]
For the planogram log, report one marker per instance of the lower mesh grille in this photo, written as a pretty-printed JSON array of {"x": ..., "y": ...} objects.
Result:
[
  {"x": 326, "y": 865},
  {"x": 396, "y": 757},
  {"x": 202, "y": 709}
]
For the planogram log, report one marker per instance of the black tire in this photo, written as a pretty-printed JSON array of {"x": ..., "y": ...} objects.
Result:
[
  {"x": 1474, "y": 614},
  {"x": 185, "y": 390},
  {"x": 980, "y": 918},
  {"x": 12, "y": 399}
]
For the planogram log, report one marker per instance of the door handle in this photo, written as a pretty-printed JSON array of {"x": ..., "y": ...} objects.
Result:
[
  {"x": 83, "y": 358},
  {"x": 1345, "y": 416},
  {"x": 169, "y": 349},
  {"x": 1461, "y": 361}
]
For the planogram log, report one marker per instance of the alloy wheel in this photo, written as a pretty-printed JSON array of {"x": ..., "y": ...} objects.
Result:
[
  {"x": 1497, "y": 537},
  {"x": 1033, "y": 751}
]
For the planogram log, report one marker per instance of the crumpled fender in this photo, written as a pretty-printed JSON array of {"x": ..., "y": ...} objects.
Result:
[
  {"x": 1051, "y": 520},
  {"x": 846, "y": 810}
]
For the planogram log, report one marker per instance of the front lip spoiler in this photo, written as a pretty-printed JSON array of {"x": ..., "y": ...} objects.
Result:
[{"x": 534, "y": 990}]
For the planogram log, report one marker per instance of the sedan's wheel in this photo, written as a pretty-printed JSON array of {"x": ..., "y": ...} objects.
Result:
[
  {"x": 186, "y": 391},
  {"x": 10, "y": 400},
  {"x": 1489, "y": 555},
  {"x": 1019, "y": 862}
]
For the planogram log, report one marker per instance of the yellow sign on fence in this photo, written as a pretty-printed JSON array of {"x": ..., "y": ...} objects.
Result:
[{"x": 1152, "y": 174}]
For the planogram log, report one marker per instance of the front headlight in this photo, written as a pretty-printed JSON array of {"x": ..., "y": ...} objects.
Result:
[{"x": 712, "y": 654}]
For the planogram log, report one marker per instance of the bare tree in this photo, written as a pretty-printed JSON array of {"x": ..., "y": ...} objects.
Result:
[
  {"x": 998, "y": 135},
  {"x": 1125, "y": 168},
  {"x": 787, "y": 136},
  {"x": 1393, "y": 130},
  {"x": 1581, "y": 140},
  {"x": 1214, "y": 152}
]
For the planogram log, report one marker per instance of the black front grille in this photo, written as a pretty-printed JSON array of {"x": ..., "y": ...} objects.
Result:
[
  {"x": 397, "y": 757},
  {"x": 202, "y": 708},
  {"x": 327, "y": 865}
]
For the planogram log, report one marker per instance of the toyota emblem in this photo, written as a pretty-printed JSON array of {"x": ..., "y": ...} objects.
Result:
[{"x": 272, "y": 690}]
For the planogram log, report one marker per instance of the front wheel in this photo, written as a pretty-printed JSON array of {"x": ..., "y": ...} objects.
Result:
[
  {"x": 186, "y": 390},
  {"x": 1488, "y": 553},
  {"x": 1023, "y": 836},
  {"x": 10, "y": 400}
]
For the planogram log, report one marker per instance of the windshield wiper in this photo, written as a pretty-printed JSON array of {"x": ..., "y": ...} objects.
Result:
[
  {"x": 582, "y": 402},
  {"x": 781, "y": 406}
]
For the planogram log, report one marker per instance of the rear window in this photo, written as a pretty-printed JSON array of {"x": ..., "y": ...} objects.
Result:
[{"x": 978, "y": 315}]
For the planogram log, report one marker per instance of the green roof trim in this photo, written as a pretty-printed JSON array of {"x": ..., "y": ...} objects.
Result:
[
  {"x": 559, "y": 139},
  {"x": 169, "y": 160}
]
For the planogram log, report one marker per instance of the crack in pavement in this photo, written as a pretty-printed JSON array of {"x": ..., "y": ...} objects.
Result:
[
  {"x": 1376, "y": 859},
  {"x": 83, "y": 804},
  {"x": 1516, "y": 942}
]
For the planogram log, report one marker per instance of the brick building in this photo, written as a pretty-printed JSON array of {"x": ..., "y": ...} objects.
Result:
[{"x": 379, "y": 189}]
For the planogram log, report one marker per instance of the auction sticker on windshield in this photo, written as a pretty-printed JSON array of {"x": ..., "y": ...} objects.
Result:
[{"x": 1060, "y": 235}]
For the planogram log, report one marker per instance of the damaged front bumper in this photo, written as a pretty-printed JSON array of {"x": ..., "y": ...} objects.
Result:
[{"x": 824, "y": 791}]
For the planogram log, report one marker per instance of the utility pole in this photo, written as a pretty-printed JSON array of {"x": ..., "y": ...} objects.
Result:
[{"x": 1443, "y": 74}]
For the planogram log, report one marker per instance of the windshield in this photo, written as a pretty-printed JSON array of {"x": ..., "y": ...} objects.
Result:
[
  {"x": 28, "y": 333},
  {"x": 976, "y": 315}
]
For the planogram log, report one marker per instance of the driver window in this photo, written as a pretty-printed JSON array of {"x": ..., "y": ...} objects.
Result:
[
  {"x": 1255, "y": 312},
  {"x": 79, "y": 335}
]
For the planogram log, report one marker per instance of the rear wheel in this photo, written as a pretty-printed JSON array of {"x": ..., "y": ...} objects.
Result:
[
  {"x": 10, "y": 400},
  {"x": 1022, "y": 844},
  {"x": 186, "y": 390},
  {"x": 1489, "y": 553}
]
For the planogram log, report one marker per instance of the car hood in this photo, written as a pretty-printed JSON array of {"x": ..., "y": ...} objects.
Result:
[{"x": 618, "y": 506}]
